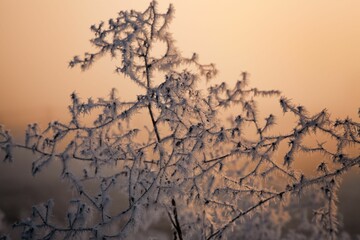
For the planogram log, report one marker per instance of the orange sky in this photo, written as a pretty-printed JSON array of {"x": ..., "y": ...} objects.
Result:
[{"x": 307, "y": 49}]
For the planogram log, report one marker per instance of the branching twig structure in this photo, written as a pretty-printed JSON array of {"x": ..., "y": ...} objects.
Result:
[{"x": 208, "y": 177}]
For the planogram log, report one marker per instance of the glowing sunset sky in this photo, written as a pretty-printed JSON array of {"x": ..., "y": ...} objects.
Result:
[{"x": 308, "y": 50}]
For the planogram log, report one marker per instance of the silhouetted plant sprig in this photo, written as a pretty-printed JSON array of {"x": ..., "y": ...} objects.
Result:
[{"x": 206, "y": 176}]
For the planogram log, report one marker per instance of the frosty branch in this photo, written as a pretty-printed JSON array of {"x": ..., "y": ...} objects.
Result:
[{"x": 206, "y": 175}]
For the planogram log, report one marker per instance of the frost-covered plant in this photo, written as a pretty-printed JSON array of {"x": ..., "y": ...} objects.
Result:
[{"x": 211, "y": 179}]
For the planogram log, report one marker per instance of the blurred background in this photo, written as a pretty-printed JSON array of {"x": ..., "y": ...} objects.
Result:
[{"x": 307, "y": 50}]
